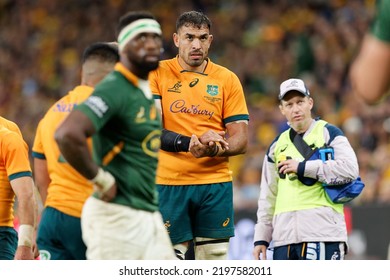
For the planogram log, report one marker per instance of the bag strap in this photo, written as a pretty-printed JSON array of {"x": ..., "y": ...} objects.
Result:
[{"x": 302, "y": 147}]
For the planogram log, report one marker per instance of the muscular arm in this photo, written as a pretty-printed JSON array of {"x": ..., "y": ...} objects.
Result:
[
  {"x": 23, "y": 188},
  {"x": 214, "y": 144},
  {"x": 71, "y": 137},
  {"x": 237, "y": 138},
  {"x": 41, "y": 176},
  {"x": 370, "y": 72}
]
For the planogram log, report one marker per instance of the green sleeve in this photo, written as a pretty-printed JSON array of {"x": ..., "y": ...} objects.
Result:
[
  {"x": 105, "y": 102},
  {"x": 381, "y": 25}
]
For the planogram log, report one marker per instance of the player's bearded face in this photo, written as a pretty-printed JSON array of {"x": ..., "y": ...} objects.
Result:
[
  {"x": 193, "y": 43},
  {"x": 146, "y": 65},
  {"x": 195, "y": 58},
  {"x": 144, "y": 60}
]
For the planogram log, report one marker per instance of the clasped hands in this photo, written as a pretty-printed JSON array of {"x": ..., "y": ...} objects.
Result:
[{"x": 209, "y": 144}]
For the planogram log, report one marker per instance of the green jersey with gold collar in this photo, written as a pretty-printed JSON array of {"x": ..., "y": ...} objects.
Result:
[{"x": 127, "y": 140}]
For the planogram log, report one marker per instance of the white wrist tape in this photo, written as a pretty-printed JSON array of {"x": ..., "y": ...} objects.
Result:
[
  {"x": 103, "y": 181},
  {"x": 26, "y": 233}
]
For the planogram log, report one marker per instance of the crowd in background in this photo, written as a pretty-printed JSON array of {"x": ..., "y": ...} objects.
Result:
[{"x": 263, "y": 42}]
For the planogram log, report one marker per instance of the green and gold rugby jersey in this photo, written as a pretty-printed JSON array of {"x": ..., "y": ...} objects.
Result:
[{"x": 127, "y": 140}]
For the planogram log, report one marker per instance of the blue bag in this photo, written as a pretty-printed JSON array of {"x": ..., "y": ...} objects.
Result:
[
  {"x": 339, "y": 194},
  {"x": 346, "y": 192}
]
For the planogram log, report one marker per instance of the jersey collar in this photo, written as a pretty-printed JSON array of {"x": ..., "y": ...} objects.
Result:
[{"x": 125, "y": 72}]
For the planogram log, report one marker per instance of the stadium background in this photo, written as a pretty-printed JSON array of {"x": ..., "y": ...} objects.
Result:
[{"x": 263, "y": 42}]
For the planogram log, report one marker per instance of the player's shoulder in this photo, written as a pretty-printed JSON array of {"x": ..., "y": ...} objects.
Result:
[
  {"x": 57, "y": 105},
  {"x": 10, "y": 125},
  {"x": 62, "y": 105},
  {"x": 10, "y": 136},
  {"x": 218, "y": 69},
  {"x": 167, "y": 64},
  {"x": 114, "y": 79},
  {"x": 166, "y": 68}
]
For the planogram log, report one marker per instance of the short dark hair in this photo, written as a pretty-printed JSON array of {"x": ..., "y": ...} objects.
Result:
[
  {"x": 128, "y": 18},
  {"x": 104, "y": 51},
  {"x": 193, "y": 18}
]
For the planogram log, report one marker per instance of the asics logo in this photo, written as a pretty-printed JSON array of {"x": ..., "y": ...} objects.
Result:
[
  {"x": 194, "y": 82},
  {"x": 226, "y": 222}
]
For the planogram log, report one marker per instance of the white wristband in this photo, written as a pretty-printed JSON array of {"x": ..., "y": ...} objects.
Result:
[
  {"x": 103, "y": 181},
  {"x": 26, "y": 233}
]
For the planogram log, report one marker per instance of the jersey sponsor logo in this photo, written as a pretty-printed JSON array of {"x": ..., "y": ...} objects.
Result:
[
  {"x": 179, "y": 106},
  {"x": 140, "y": 118},
  {"x": 97, "y": 105},
  {"x": 212, "y": 90},
  {"x": 194, "y": 82},
  {"x": 176, "y": 87},
  {"x": 212, "y": 99},
  {"x": 63, "y": 107},
  {"x": 226, "y": 222},
  {"x": 151, "y": 143},
  {"x": 283, "y": 148}
]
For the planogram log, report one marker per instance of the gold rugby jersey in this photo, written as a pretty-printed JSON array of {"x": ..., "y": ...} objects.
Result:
[
  {"x": 68, "y": 189},
  {"x": 193, "y": 103},
  {"x": 14, "y": 163}
]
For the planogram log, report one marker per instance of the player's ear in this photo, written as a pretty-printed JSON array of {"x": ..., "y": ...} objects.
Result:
[
  {"x": 211, "y": 37},
  {"x": 176, "y": 39}
]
